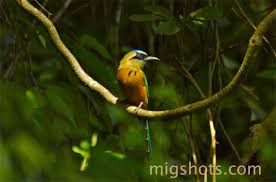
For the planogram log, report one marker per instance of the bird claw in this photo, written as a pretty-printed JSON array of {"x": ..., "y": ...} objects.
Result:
[{"x": 139, "y": 107}]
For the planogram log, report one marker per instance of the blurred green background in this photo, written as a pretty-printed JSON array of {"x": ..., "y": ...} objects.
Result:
[{"x": 49, "y": 118}]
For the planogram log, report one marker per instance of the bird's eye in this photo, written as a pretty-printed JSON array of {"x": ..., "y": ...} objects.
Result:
[{"x": 138, "y": 57}]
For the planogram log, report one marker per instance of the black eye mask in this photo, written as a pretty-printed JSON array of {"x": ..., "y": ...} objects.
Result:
[{"x": 139, "y": 56}]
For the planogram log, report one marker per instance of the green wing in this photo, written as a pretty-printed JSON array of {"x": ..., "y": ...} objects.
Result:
[{"x": 146, "y": 85}]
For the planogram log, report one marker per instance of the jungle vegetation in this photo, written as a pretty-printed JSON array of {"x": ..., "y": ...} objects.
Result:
[{"x": 54, "y": 127}]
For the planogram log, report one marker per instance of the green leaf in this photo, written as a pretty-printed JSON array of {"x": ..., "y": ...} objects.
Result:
[
  {"x": 78, "y": 150},
  {"x": 159, "y": 10},
  {"x": 115, "y": 154},
  {"x": 267, "y": 74},
  {"x": 84, "y": 164},
  {"x": 41, "y": 39},
  {"x": 85, "y": 145},
  {"x": 94, "y": 139},
  {"x": 91, "y": 42},
  {"x": 34, "y": 99},
  {"x": 207, "y": 13},
  {"x": 84, "y": 154},
  {"x": 169, "y": 27},
  {"x": 144, "y": 17},
  {"x": 30, "y": 96}
]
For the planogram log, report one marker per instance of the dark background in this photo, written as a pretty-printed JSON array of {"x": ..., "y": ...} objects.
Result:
[{"x": 45, "y": 110}]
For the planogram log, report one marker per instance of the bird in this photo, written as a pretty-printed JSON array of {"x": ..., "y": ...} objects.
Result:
[{"x": 133, "y": 83}]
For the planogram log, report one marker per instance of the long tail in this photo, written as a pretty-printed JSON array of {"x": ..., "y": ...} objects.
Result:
[{"x": 148, "y": 138}]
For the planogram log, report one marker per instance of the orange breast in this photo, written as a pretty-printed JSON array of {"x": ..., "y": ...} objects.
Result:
[{"x": 132, "y": 84}]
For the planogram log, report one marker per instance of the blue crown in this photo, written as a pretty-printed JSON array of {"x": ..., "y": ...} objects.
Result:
[{"x": 139, "y": 51}]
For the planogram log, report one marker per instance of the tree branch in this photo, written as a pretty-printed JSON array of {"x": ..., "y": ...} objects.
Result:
[{"x": 254, "y": 45}]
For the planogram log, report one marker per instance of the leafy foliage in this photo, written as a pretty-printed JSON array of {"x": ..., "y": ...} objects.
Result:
[
  {"x": 52, "y": 126},
  {"x": 207, "y": 13}
]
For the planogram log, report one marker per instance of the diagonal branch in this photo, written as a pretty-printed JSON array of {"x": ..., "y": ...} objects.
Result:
[{"x": 254, "y": 45}]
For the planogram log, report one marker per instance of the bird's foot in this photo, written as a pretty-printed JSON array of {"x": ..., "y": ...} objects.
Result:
[{"x": 139, "y": 107}]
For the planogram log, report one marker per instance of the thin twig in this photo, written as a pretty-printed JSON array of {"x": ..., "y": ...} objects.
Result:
[
  {"x": 229, "y": 140},
  {"x": 44, "y": 9},
  {"x": 80, "y": 7},
  {"x": 213, "y": 146},
  {"x": 61, "y": 11},
  {"x": 193, "y": 148}
]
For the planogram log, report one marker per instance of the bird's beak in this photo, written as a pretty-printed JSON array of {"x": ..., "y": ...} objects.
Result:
[{"x": 151, "y": 58}]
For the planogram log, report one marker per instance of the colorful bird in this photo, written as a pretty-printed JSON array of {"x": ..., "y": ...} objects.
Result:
[{"x": 133, "y": 82}]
